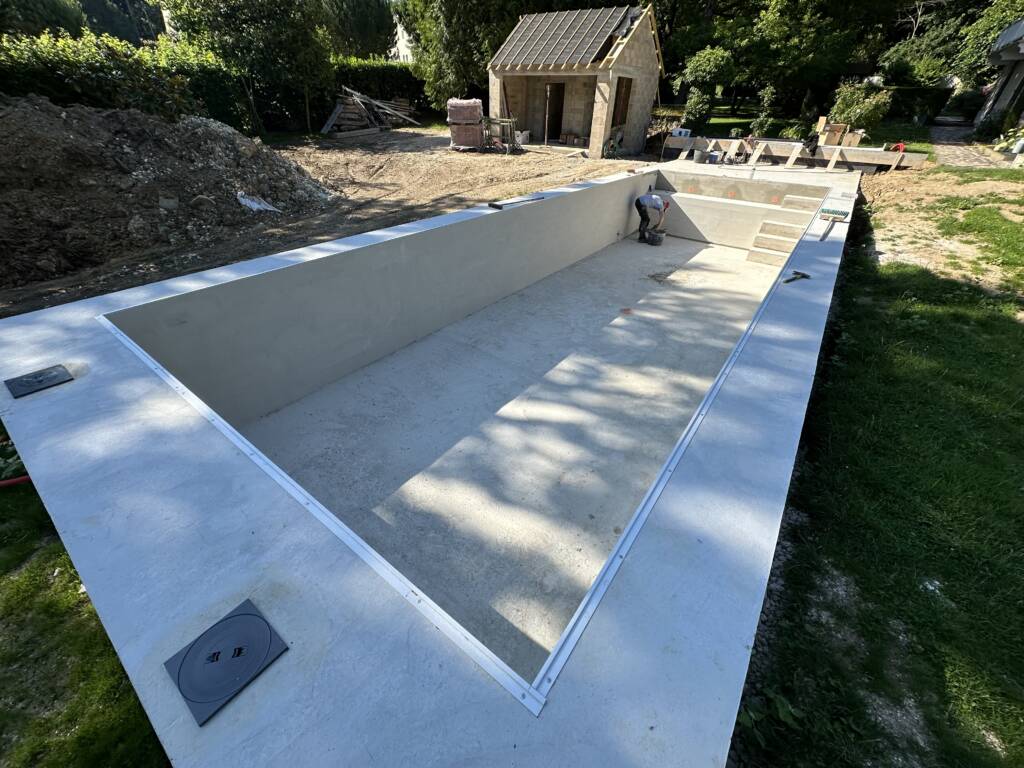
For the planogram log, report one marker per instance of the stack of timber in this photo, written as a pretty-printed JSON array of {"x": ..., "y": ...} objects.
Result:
[{"x": 356, "y": 115}]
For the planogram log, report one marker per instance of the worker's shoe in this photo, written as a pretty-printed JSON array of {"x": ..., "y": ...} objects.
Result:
[{"x": 642, "y": 239}]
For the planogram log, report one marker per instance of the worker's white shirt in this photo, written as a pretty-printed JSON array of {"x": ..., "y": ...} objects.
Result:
[{"x": 653, "y": 202}]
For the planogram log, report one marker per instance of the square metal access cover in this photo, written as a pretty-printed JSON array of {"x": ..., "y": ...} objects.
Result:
[
  {"x": 213, "y": 668},
  {"x": 37, "y": 380}
]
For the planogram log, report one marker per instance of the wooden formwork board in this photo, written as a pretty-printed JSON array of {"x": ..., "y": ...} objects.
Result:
[{"x": 791, "y": 152}]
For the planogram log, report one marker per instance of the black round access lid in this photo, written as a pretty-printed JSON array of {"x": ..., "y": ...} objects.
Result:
[{"x": 224, "y": 658}]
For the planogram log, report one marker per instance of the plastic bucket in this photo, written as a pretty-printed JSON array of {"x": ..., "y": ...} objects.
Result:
[
  {"x": 700, "y": 156},
  {"x": 655, "y": 238}
]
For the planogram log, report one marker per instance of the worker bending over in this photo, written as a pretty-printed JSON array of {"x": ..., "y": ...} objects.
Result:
[{"x": 646, "y": 203}]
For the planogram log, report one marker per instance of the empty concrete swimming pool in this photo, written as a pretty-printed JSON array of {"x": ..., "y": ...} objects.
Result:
[{"x": 486, "y": 409}]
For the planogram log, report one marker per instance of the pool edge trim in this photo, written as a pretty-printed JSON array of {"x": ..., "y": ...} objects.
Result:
[{"x": 501, "y": 672}]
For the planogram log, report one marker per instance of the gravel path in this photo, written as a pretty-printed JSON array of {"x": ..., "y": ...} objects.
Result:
[{"x": 950, "y": 148}]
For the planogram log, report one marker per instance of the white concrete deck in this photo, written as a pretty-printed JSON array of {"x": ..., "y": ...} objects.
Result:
[{"x": 496, "y": 462}]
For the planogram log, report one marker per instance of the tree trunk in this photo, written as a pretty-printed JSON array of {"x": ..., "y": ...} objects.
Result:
[
  {"x": 257, "y": 124},
  {"x": 305, "y": 94}
]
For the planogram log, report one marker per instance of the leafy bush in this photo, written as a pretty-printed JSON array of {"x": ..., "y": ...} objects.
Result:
[
  {"x": 735, "y": 133},
  {"x": 215, "y": 89},
  {"x": 697, "y": 110},
  {"x": 860, "y": 105},
  {"x": 30, "y": 17},
  {"x": 1008, "y": 140},
  {"x": 762, "y": 124},
  {"x": 98, "y": 71},
  {"x": 172, "y": 78},
  {"x": 920, "y": 103},
  {"x": 794, "y": 131}
]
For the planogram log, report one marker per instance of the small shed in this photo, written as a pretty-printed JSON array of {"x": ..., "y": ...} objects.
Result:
[
  {"x": 580, "y": 77},
  {"x": 1007, "y": 52}
]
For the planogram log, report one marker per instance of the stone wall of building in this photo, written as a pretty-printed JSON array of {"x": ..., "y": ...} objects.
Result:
[
  {"x": 638, "y": 60},
  {"x": 525, "y": 97}
]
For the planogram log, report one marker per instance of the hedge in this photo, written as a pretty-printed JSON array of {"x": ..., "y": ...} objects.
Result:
[
  {"x": 284, "y": 110},
  {"x": 379, "y": 78},
  {"x": 910, "y": 102},
  {"x": 166, "y": 78},
  {"x": 171, "y": 79}
]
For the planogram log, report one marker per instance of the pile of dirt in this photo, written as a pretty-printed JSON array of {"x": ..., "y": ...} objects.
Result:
[{"x": 84, "y": 186}]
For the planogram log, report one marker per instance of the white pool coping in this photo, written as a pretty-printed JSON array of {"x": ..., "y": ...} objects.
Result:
[{"x": 656, "y": 673}]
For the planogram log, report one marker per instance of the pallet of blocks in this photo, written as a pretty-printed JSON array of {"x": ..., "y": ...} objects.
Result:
[{"x": 466, "y": 123}]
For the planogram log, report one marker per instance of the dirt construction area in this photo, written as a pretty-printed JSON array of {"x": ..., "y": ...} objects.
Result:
[{"x": 137, "y": 206}]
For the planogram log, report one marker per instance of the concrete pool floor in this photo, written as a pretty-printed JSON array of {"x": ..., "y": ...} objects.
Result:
[{"x": 495, "y": 462}]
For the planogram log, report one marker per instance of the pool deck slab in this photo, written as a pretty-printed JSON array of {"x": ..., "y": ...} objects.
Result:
[{"x": 171, "y": 525}]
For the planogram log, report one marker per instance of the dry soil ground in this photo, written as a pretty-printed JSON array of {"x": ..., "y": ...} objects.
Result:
[
  {"x": 913, "y": 221},
  {"x": 382, "y": 180}
]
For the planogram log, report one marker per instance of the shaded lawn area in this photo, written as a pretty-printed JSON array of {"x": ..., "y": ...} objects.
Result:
[
  {"x": 916, "y": 137},
  {"x": 65, "y": 700},
  {"x": 912, "y": 483}
]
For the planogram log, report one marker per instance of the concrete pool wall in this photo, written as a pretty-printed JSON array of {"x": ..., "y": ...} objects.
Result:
[{"x": 252, "y": 346}]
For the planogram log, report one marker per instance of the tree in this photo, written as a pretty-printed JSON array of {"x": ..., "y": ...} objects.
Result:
[
  {"x": 710, "y": 67},
  {"x": 365, "y": 27},
  {"x": 971, "y": 62},
  {"x": 453, "y": 40},
  {"x": 265, "y": 42},
  {"x": 32, "y": 17}
]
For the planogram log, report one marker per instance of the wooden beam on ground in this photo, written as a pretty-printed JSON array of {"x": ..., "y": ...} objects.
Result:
[{"x": 352, "y": 134}]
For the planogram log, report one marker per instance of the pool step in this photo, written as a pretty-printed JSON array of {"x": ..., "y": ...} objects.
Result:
[
  {"x": 782, "y": 228},
  {"x": 801, "y": 203},
  {"x": 774, "y": 242},
  {"x": 767, "y": 256},
  {"x": 791, "y": 216}
]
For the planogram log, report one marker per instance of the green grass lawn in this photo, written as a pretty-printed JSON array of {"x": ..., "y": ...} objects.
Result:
[
  {"x": 903, "y": 609},
  {"x": 66, "y": 700}
]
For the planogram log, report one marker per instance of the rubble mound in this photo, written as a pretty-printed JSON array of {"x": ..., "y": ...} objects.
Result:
[{"x": 84, "y": 186}]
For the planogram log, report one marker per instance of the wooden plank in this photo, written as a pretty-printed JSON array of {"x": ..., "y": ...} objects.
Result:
[
  {"x": 838, "y": 153},
  {"x": 758, "y": 151},
  {"x": 896, "y": 162},
  {"x": 350, "y": 134},
  {"x": 794, "y": 155},
  {"x": 360, "y": 98},
  {"x": 338, "y": 107}
]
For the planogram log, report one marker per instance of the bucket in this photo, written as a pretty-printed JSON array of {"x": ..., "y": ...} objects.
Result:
[
  {"x": 700, "y": 156},
  {"x": 655, "y": 238}
]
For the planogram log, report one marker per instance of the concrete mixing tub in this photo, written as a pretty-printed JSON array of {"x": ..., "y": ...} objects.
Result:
[{"x": 478, "y": 424}]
